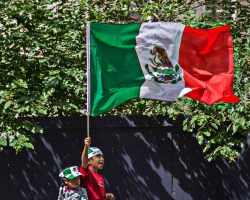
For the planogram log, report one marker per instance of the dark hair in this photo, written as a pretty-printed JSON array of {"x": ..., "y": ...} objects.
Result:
[{"x": 63, "y": 182}]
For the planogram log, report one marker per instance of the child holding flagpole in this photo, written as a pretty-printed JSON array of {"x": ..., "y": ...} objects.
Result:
[{"x": 93, "y": 181}]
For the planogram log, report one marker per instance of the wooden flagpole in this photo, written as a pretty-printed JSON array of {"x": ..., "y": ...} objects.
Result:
[
  {"x": 88, "y": 74},
  {"x": 88, "y": 134}
]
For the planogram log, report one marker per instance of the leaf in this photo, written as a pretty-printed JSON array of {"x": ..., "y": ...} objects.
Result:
[
  {"x": 200, "y": 139},
  {"x": 235, "y": 128},
  {"x": 214, "y": 125},
  {"x": 7, "y": 105},
  {"x": 207, "y": 133}
]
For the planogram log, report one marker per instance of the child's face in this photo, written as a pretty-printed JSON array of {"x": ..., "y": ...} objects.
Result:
[
  {"x": 96, "y": 162},
  {"x": 73, "y": 183}
]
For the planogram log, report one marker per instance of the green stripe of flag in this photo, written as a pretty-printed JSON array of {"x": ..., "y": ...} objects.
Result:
[{"x": 116, "y": 75}]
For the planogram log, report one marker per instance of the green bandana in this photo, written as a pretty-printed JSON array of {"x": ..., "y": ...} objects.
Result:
[
  {"x": 93, "y": 151},
  {"x": 70, "y": 173}
]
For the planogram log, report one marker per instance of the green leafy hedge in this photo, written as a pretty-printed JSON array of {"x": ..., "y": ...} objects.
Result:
[{"x": 43, "y": 69}]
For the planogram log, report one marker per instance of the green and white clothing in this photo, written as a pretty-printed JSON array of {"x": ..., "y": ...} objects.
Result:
[{"x": 72, "y": 194}]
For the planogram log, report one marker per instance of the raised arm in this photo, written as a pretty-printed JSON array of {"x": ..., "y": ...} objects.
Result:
[{"x": 87, "y": 142}]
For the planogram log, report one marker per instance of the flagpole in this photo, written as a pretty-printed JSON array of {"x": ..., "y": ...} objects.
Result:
[
  {"x": 88, "y": 73},
  {"x": 88, "y": 125}
]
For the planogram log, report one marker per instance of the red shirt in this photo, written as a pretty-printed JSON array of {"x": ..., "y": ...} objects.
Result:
[{"x": 94, "y": 184}]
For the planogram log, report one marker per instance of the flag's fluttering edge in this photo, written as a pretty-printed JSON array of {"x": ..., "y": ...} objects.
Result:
[{"x": 157, "y": 60}]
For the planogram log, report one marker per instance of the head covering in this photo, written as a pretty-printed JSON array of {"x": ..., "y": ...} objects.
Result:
[
  {"x": 70, "y": 173},
  {"x": 93, "y": 151}
]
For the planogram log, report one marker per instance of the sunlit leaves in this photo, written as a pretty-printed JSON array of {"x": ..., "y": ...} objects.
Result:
[
  {"x": 43, "y": 68},
  {"x": 42, "y": 65}
]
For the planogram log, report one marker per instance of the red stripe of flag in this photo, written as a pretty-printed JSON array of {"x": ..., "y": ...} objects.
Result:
[{"x": 206, "y": 57}]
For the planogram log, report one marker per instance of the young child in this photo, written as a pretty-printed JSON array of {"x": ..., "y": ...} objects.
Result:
[
  {"x": 93, "y": 181},
  {"x": 70, "y": 189}
]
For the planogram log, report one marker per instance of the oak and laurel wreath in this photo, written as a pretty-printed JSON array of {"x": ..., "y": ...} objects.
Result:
[{"x": 163, "y": 71}]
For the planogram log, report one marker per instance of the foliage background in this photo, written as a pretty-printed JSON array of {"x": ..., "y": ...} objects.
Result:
[{"x": 43, "y": 68}]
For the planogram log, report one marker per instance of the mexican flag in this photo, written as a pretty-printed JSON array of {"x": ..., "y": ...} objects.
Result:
[{"x": 157, "y": 60}]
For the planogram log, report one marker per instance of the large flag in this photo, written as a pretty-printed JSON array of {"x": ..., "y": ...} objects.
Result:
[{"x": 157, "y": 60}]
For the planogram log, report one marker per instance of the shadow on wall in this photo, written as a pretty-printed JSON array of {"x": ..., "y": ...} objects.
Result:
[
  {"x": 195, "y": 178},
  {"x": 145, "y": 159}
]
